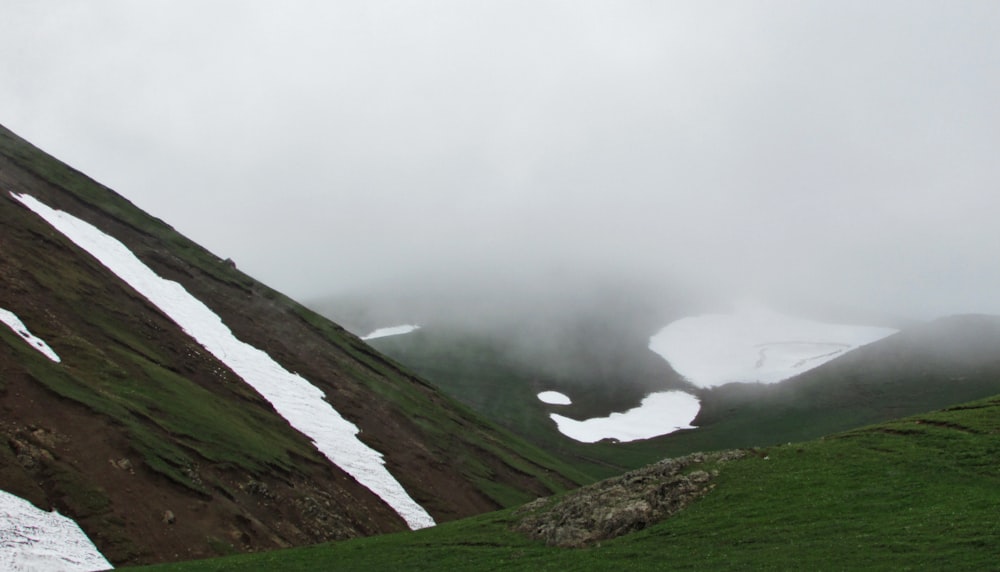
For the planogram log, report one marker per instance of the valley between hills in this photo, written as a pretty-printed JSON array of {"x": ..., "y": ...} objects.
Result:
[{"x": 178, "y": 414}]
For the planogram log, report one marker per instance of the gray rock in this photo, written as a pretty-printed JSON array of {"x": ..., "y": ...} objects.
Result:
[{"x": 620, "y": 505}]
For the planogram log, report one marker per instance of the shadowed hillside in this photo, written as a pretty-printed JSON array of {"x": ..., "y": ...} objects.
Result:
[{"x": 156, "y": 447}]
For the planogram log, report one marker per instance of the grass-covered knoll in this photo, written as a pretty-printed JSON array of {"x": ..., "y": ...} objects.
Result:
[{"x": 918, "y": 493}]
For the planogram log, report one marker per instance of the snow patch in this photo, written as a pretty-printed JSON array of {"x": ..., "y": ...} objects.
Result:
[
  {"x": 34, "y": 540},
  {"x": 554, "y": 398},
  {"x": 659, "y": 413},
  {"x": 391, "y": 331},
  {"x": 301, "y": 403},
  {"x": 15, "y": 323},
  {"x": 754, "y": 344}
]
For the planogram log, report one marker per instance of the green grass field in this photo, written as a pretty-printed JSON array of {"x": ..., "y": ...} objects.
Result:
[{"x": 921, "y": 493}]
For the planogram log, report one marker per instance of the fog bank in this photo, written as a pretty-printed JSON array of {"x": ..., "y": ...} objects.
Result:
[{"x": 838, "y": 153}]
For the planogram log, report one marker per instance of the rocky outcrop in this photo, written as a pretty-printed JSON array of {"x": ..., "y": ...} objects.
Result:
[{"x": 624, "y": 504}]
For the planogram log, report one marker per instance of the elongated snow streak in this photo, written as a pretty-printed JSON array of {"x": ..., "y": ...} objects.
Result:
[
  {"x": 32, "y": 539},
  {"x": 659, "y": 413},
  {"x": 301, "y": 403},
  {"x": 391, "y": 331},
  {"x": 15, "y": 323}
]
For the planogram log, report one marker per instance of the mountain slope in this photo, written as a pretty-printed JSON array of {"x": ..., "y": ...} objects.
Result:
[
  {"x": 921, "y": 368},
  {"x": 919, "y": 493},
  {"x": 479, "y": 370},
  {"x": 156, "y": 446}
]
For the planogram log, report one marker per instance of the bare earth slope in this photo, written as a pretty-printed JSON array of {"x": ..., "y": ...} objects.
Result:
[{"x": 156, "y": 447}]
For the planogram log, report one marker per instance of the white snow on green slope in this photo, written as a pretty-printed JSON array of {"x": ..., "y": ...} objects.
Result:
[
  {"x": 659, "y": 413},
  {"x": 301, "y": 403},
  {"x": 15, "y": 323},
  {"x": 754, "y": 344}
]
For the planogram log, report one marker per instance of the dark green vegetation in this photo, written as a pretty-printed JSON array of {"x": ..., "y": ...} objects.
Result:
[
  {"x": 917, "y": 493},
  {"x": 161, "y": 453},
  {"x": 157, "y": 449},
  {"x": 924, "y": 367},
  {"x": 481, "y": 373}
]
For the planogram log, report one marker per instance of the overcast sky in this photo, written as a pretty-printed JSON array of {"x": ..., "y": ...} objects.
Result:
[{"x": 847, "y": 151}]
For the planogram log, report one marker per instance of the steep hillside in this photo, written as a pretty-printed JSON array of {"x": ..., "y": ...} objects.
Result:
[
  {"x": 153, "y": 438},
  {"x": 919, "y": 493}
]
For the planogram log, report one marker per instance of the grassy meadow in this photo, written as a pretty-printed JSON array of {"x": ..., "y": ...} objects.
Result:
[{"x": 918, "y": 493}]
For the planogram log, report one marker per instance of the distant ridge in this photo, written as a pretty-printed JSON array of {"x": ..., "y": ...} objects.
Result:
[{"x": 925, "y": 366}]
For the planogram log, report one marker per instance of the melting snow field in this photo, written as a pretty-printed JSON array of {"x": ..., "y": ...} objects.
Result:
[
  {"x": 658, "y": 414},
  {"x": 11, "y": 319},
  {"x": 754, "y": 344},
  {"x": 34, "y": 540},
  {"x": 554, "y": 398},
  {"x": 301, "y": 403},
  {"x": 391, "y": 331}
]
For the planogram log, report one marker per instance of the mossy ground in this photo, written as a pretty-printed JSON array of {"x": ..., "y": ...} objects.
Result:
[{"x": 920, "y": 493}]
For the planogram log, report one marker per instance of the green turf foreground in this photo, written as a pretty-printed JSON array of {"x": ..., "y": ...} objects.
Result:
[{"x": 921, "y": 493}]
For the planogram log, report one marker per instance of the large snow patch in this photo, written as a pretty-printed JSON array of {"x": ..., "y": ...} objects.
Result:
[
  {"x": 301, "y": 403},
  {"x": 754, "y": 344},
  {"x": 34, "y": 540},
  {"x": 659, "y": 414}
]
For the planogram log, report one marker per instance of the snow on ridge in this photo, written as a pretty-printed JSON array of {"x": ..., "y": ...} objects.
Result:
[
  {"x": 391, "y": 331},
  {"x": 15, "y": 323},
  {"x": 301, "y": 403},
  {"x": 32, "y": 539},
  {"x": 754, "y": 344},
  {"x": 554, "y": 398},
  {"x": 659, "y": 414}
]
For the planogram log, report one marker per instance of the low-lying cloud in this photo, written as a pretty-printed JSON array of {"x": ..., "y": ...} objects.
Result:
[{"x": 836, "y": 152}]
